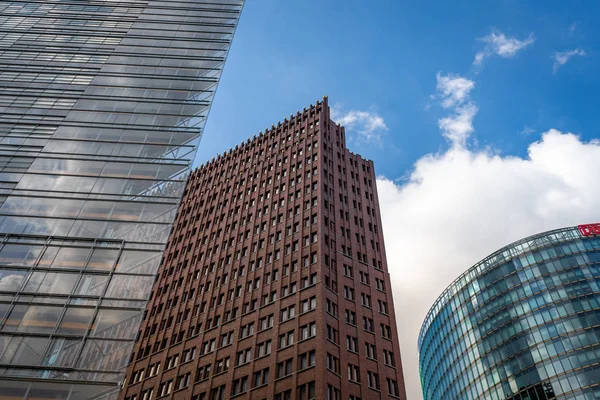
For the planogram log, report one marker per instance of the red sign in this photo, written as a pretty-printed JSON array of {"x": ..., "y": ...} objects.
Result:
[{"x": 589, "y": 229}]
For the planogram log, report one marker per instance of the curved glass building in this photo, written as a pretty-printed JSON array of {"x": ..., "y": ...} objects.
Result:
[{"x": 524, "y": 323}]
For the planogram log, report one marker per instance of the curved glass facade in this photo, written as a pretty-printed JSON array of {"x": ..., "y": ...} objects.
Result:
[{"x": 524, "y": 323}]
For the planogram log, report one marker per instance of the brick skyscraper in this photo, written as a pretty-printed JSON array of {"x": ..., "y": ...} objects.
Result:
[{"x": 274, "y": 284}]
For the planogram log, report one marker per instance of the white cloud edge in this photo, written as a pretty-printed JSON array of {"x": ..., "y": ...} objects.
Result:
[
  {"x": 454, "y": 92},
  {"x": 464, "y": 204},
  {"x": 561, "y": 58},
  {"x": 497, "y": 43},
  {"x": 368, "y": 125}
]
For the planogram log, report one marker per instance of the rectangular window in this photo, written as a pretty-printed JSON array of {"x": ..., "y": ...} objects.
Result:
[
  {"x": 348, "y": 270},
  {"x": 221, "y": 365},
  {"x": 307, "y": 391},
  {"x": 284, "y": 368},
  {"x": 226, "y": 339},
  {"x": 266, "y": 322},
  {"x": 373, "y": 380},
  {"x": 348, "y": 293},
  {"x": 331, "y": 307},
  {"x": 286, "y": 395},
  {"x": 203, "y": 373},
  {"x": 353, "y": 373},
  {"x": 308, "y": 331},
  {"x": 365, "y": 300},
  {"x": 306, "y": 360},
  {"x": 183, "y": 381},
  {"x": 243, "y": 357},
  {"x": 286, "y": 339},
  {"x": 392, "y": 387},
  {"x": 239, "y": 385},
  {"x": 288, "y": 313},
  {"x": 332, "y": 334},
  {"x": 370, "y": 351},
  {"x": 263, "y": 348},
  {"x": 333, "y": 363},
  {"x": 246, "y": 330},
  {"x": 350, "y": 317},
  {"x": 165, "y": 388},
  {"x": 382, "y": 306},
  {"x": 189, "y": 354},
  {"x": 352, "y": 344},
  {"x": 386, "y": 332},
  {"x": 308, "y": 304},
  {"x": 333, "y": 393},
  {"x": 172, "y": 361},
  {"x": 260, "y": 378},
  {"x": 388, "y": 358},
  {"x": 218, "y": 393}
]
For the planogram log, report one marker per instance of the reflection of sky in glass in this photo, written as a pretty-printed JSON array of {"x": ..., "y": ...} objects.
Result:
[{"x": 101, "y": 120}]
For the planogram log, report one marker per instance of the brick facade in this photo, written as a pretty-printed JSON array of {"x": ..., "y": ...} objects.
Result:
[{"x": 274, "y": 284}]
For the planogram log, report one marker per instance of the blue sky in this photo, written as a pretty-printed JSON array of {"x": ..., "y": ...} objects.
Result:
[
  {"x": 471, "y": 156},
  {"x": 384, "y": 59}
]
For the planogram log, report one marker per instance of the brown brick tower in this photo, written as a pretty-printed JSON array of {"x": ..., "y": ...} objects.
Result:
[{"x": 274, "y": 284}]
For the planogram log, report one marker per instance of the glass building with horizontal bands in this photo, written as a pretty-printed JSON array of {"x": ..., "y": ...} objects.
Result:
[
  {"x": 102, "y": 105},
  {"x": 524, "y": 323}
]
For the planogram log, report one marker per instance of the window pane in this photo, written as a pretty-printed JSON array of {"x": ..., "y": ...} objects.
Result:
[
  {"x": 15, "y": 254},
  {"x": 54, "y": 391},
  {"x": 116, "y": 324},
  {"x": 24, "y": 350},
  {"x": 76, "y": 321},
  {"x": 13, "y": 390},
  {"x": 51, "y": 282},
  {"x": 15, "y": 317},
  {"x": 139, "y": 262},
  {"x": 71, "y": 257},
  {"x": 105, "y": 355},
  {"x": 92, "y": 285},
  {"x": 38, "y": 319},
  {"x": 62, "y": 352},
  {"x": 11, "y": 280},
  {"x": 130, "y": 287},
  {"x": 103, "y": 259}
]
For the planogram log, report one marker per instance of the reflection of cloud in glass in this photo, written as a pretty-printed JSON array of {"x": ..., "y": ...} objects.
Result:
[
  {"x": 51, "y": 282},
  {"x": 11, "y": 281},
  {"x": 106, "y": 147}
]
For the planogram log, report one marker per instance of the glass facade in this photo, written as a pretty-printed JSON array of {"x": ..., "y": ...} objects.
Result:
[
  {"x": 102, "y": 106},
  {"x": 524, "y": 323}
]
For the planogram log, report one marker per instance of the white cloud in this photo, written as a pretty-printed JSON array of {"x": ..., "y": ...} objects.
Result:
[
  {"x": 458, "y": 127},
  {"x": 561, "y": 58},
  {"x": 368, "y": 125},
  {"x": 459, "y": 206},
  {"x": 454, "y": 91},
  {"x": 498, "y": 43}
]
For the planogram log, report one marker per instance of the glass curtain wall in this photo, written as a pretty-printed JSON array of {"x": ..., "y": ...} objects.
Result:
[
  {"x": 523, "y": 324},
  {"x": 102, "y": 106}
]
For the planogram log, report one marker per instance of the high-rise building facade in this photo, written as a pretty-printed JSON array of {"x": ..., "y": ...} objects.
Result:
[
  {"x": 524, "y": 323},
  {"x": 274, "y": 284},
  {"x": 102, "y": 106}
]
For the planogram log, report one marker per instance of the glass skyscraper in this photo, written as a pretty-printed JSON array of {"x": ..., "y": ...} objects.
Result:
[
  {"x": 102, "y": 105},
  {"x": 524, "y": 323}
]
